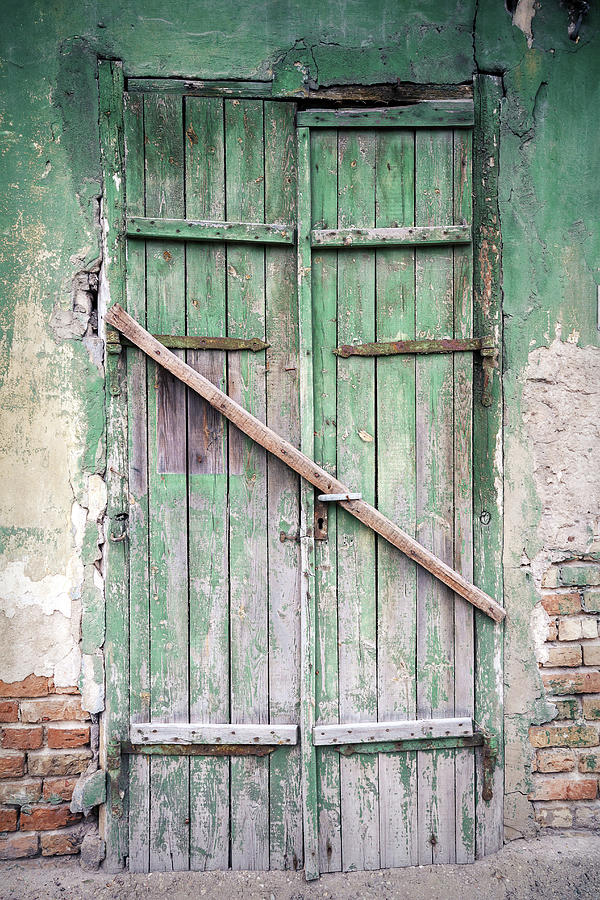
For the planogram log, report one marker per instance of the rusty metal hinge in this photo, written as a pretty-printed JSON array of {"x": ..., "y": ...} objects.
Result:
[
  {"x": 489, "y": 761},
  {"x": 191, "y": 342}
]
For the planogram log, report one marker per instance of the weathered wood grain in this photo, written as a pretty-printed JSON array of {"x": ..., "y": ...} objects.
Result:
[
  {"x": 365, "y": 732},
  {"x": 199, "y": 733},
  {"x": 165, "y": 273},
  {"x": 392, "y": 236},
  {"x": 423, "y": 114},
  {"x": 434, "y": 496},
  {"x": 244, "y": 166},
  {"x": 323, "y": 193},
  {"x": 356, "y": 463},
  {"x": 139, "y": 581},
  {"x": 283, "y": 511},
  {"x": 214, "y": 230},
  {"x": 115, "y": 721},
  {"x": 396, "y": 486},
  {"x": 207, "y": 487},
  {"x": 193, "y": 87}
]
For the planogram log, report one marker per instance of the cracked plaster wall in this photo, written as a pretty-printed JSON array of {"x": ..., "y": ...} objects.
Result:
[{"x": 51, "y": 381}]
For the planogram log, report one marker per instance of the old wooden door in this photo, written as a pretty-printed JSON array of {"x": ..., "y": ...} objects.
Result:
[{"x": 252, "y": 603}]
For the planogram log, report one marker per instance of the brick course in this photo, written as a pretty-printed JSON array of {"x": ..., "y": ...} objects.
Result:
[
  {"x": 44, "y": 747},
  {"x": 566, "y": 762}
]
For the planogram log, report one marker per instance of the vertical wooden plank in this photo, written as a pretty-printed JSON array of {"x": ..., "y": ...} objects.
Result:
[
  {"x": 356, "y": 465},
  {"x": 487, "y": 455},
  {"x": 139, "y": 584},
  {"x": 244, "y": 142},
  {"x": 307, "y": 551},
  {"x": 115, "y": 721},
  {"x": 283, "y": 508},
  {"x": 435, "y": 493},
  {"x": 396, "y": 489},
  {"x": 165, "y": 269},
  {"x": 207, "y": 486},
  {"x": 463, "y": 495},
  {"x": 323, "y": 166}
]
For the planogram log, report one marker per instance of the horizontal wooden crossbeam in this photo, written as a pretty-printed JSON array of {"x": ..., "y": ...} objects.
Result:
[
  {"x": 296, "y": 460},
  {"x": 414, "y": 235},
  {"x": 368, "y": 732},
  {"x": 199, "y": 733},
  {"x": 193, "y": 88},
  {"x": 423, "y": 114},
  {"x": 191, "y": 230}
]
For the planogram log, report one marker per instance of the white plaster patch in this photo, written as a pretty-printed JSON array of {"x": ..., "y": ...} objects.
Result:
[
  {"x": 32, "y": 641},
  {"x": 539, "y": 622},
  {"x": 523, "y": 17},
  {"x": 92, "y": 683},
  {"x": 96, "y": 497},
  {"x": 52, "y": 593}
]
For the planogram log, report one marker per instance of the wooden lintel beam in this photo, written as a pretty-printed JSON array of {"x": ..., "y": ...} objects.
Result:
[{"x": 296, "y": 460}]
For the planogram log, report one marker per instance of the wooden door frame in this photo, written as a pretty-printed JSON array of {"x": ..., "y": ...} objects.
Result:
[{"x": 487, "y": 472}]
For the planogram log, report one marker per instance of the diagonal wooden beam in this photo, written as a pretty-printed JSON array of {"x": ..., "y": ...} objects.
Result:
[{"x": 296, "y": 460}]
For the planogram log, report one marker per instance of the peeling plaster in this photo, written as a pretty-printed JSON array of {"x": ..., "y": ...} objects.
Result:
[{"x": 523, "y": 17}]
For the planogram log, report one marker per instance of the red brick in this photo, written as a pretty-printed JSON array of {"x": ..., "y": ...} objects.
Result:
[
  {"x": 564, "y": 789},
  {"x": 21, "y": 738},
  {"x": 589, "y": 762},
  {"x": 53, "y": 709},
  {"x": 45, "y": 818},
  {"x": 555, "y": 761},
  {"x": 8, "y": 819},
  {"x": 572, "y": 683},
  {"x": 9, "y": 711},
  {"x": 67, "y": 736},
  {"x": 59, "y": 843},
  {"x": 552, "y": 630},
  {"x": 563, "y": 736},
  {"x": 565, "y": 655},
  {"x": 64, "y": 690},
  {"x": 32, "y": 686},
  {"x": 59, "y": 788},
  {"x": 17, "y": 846},
  {"x": 58, "y": 762},
  {"x": 20, "y": 792},
  {"x": 12, "y": 764},
  {"x": 562, "y": 604}
]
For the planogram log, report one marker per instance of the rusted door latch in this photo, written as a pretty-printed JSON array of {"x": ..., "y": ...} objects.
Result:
[{"x": 490, "y": 758}]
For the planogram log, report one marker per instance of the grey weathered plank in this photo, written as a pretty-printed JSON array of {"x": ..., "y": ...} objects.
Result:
[
  {"x": 139, "y": 583},
  {"x": 423, "y": 114},
  {"x": 193, "y": 87},
  {"x": 405, "y": 236},
  {"x": 283, "y": 512},
  {"x": 356, "y": 462},
  {"x": 323, "y": 189},
  {"x": 207, "y": 487},
  {"x": 215, "y": 733},
  {"x": 244, "y": 166},
  {"x": 193, "y": 230},
  {"x": 464, "y": 686},
  {"x": 435, "y": 497},
  {"x": 365, "y": 732},
  {"x": 396, "y": 471},
  {"x": 165, "y": 272}
]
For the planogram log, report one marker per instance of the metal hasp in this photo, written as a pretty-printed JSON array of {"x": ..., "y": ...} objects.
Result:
[
  {"x": 485, "y": 346},
  {"x": 189, "y": 342}
]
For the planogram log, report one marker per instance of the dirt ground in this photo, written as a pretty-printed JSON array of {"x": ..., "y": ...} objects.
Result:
[{"x": 560, "y": 867}]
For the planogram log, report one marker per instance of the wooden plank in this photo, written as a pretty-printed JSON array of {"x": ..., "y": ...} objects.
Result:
[
  {"x": 396, "y": 486},
  {"x": 115, "y": 721},
  {"x": 487, "y": 455},
  {"x": 463, "y": 495},
  {"x": 139, "y": 582},
  {"x": 165, "y": 274},
  {"x": 391, "y": 237},
  {"x": 435, "y": 499},
  {"x": 207, "y": 487},
  {"x": 244, "y": 166},
  {"x": 192, "y": 87},
  {"x": 307, "y": 546},
  {"x": 365, "y": 732},
  {"x": 200, "y": 733},
  {"x": 423, "y": 114},
  {"x": 399, "y": 749},
  {"x": 192, "y": 230},
  {"x": 356, "y": 462},
  {"x": 283, "y": 511},
  {"x": 299, "y": 462},
  {"x": 323, "y": 187}
]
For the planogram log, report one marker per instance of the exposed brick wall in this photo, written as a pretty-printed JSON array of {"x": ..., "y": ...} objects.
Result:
[
  {"x": 44, "y": 747},
  {"x": 565, "y": 789}
]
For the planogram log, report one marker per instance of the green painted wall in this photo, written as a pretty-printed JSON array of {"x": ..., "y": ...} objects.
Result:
[{"x": 51, "y": 383}]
